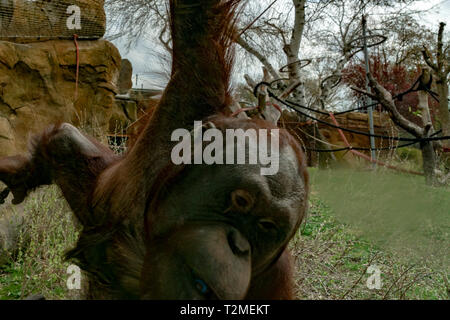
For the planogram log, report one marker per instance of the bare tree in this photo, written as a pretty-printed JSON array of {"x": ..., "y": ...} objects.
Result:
[
  {"x": 386, "y": 100},
  {"x": 135, "y": 19},
  {"x": 274, "y": 35},
  {"x": 274, "y": 38},
  {"x": 341, "y": 36},
  {"x": 405, "y": 42},
  {"x": 441, "y": 69},
  {"x": 282, "y": 32}
]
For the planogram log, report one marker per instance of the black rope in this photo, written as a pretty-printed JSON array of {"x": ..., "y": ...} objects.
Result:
[
  {"x": 359, "y": 132},
  {"x": 416, "y": 140},
  {"x": 361, "y": 149},
  {"x": 396, "y": 97},
  {"x": 313, "y": 110},
  {"x": 433, "y": 94},
  {"x": 368, "y": 149},
  {"x": 356, "y": 109}
]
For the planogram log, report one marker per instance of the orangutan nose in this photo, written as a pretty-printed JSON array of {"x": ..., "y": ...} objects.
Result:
[{"x": 238, "y": 244}]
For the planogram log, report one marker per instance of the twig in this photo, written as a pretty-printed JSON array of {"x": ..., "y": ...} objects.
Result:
[
  {"x": 396, "y": 281},
  {"x": 409, "y": 285},
  {"x": 360, "y": 278},
  {"x": 256, "y": 19},
  {"x": 363, "y": 92}
]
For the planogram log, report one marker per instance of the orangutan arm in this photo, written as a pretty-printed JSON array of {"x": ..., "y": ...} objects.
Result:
[{"x": 61, "y": 155}]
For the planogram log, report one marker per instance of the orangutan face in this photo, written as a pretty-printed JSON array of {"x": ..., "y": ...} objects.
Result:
[{"x": 219, "y": 226}]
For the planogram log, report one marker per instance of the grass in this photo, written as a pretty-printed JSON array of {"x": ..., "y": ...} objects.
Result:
[
  {"x": 393, "y": 210},
  {"x": 332, "y": 261},
  {"x": 38, "y": 267},
  {"x": 363, "y": 218},
  {"x": 356, "y": 219}
]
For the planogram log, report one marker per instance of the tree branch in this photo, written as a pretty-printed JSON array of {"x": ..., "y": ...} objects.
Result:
[
  {"x": 161, "y": 38},
  {"x": 299, "y": 25},
  {"x": 439, "y": 57},
  {"x": 291, "y": 50},
  {"x": 385, "y": 98},
  {"x": 246, "y": 46},
  {"x": 427, "y": 57},
  {"x": 279, "y": 30},
  {"x": 364, "y": 92}
]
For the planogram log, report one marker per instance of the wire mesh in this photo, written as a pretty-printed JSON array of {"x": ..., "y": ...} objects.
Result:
[{"x": 51, "y": 19}]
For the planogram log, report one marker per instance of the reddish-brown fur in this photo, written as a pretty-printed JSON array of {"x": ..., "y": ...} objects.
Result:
[{"x": 118, "y": 200}]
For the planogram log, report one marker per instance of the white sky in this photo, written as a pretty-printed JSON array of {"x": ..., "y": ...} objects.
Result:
[
  {"x": 142, "y": 55},
  {"x": 440, "y": 11}
]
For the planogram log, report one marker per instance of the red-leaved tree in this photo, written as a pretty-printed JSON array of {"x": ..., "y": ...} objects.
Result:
[{"x": 396, "y": 79}]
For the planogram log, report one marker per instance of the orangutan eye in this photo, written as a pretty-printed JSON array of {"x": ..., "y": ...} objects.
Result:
[
  {"x": 267, "y": 225},
  {"x": 201, "y": 286},
  {"x": 242, "y": 201}
]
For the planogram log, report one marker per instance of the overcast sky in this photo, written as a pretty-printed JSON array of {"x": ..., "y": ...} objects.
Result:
[{"x": 142, "y": 55}]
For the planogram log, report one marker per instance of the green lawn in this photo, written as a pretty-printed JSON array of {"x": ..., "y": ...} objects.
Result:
[
  {"x": 359, "y": 219},
  {"x": 393, "y": 210},
  {"x": 39, "y": 267}
]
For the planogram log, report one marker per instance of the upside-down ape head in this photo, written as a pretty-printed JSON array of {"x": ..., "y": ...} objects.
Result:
[
  {"x": 154, "y": 229},
  {"x": 221, "y": 231}
]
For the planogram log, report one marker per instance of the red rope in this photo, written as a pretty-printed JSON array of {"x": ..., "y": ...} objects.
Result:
[
  {"x": 75, "y": 37},
  {"x": 277, "y": 107},
  {"x": 364, "y": 156}
]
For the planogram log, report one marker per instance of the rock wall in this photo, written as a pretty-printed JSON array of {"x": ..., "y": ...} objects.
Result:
[
  {"x": 37, "y": 88},
  {"x": 354, "y": 120},
  {"x": 125, "y": 83},
  {"x": 38, "y": 81},
  {"x": 360, "y": 122}
]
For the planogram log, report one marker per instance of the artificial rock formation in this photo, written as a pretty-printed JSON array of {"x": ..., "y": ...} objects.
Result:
[
  {"x": 125, "y": 83},
  {"x": 38, "y": 82},
  {"x": 360, "y": 122},
  {"x": 37, "y": 88},
  {"x": 354, "y": 120}
]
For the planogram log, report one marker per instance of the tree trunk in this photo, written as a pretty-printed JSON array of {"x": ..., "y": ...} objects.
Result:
[
  {"x": 292, "y": 50},
  {"x": 428, "y": 154},
  {"x": 429, "y": 162},
  {"x": 425, "y": 111},
  {"x": 444, "y": 114},
  {"x": 441, "y": 70},
  {"x": 325, "y": 158}
]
